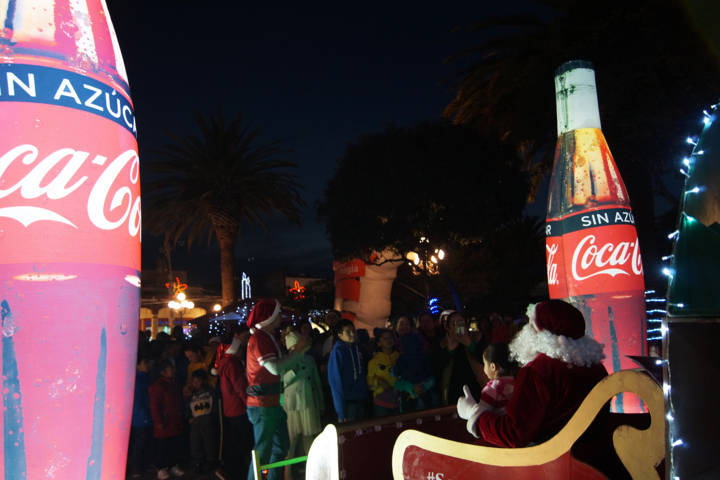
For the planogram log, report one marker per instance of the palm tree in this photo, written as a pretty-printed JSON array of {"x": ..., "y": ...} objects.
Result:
[
  {"x": 209, "y": 185},
  {"x": 654, "y": 74}
]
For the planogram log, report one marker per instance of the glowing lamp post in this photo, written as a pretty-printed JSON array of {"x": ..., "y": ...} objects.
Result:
[
  {"x": 425, "y": 261},
  {"x": 180, "y": 303}
]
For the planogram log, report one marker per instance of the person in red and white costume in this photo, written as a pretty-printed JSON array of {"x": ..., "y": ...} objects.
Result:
[
  {"x": 560, "y": 367},
  {"x": 265, "y": 364}
]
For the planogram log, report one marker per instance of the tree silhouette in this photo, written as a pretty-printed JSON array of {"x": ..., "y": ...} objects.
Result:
[
  {"x": 212, "y": 183},
  {"x": 654, "y": 76},
  {"x": 444, "y": 182}
]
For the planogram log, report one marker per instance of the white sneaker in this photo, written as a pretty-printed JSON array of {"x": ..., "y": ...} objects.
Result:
[
  {"x": 177, "y": 471},
  {"x": 163, "y": 474}
]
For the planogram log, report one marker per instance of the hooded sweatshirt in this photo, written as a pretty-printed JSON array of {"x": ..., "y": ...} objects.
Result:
[{"x": 346, "y": 375}]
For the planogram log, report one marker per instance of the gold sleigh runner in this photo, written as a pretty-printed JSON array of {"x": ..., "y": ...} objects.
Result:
[{"x": 419, "y": 455}]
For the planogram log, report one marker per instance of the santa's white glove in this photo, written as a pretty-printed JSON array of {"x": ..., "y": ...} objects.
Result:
[{"x": 470, "y": 410}]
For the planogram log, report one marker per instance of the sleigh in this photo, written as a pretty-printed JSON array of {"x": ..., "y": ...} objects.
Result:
[{"x": 619, "y": 446}]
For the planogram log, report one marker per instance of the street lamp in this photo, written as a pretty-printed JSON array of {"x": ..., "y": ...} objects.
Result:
[
  {"x": 180, "y": 303},
  {"x": 427, "y": 259}
]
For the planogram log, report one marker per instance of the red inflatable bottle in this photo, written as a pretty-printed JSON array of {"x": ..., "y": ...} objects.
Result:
[
  {"x": 69, "y": 242},
  {"x": 593, "y": 255}
]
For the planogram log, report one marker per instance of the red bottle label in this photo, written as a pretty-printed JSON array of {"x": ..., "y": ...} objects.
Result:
[
  {"x": 586, "y": 249},
  {"x": 69, "y": 170}
]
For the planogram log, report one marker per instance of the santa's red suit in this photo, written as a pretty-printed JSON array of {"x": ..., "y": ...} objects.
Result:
[{"x": 561, "y": 366}]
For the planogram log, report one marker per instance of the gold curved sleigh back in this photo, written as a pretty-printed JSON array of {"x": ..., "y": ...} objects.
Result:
[{"x": 640, "y": 451}]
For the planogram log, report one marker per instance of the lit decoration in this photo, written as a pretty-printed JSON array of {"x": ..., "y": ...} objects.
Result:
[
  {"x": 217, "y": 307},
  {"x": 177, "y": 287},
  {"x": 70, "y": 240},
  {"x": 217, "y": 324},
  {"x": 654, "y": 317},
  {"x": 245, "y": 290},
  {"x": 592, "y": 248},
  {"x": 434, "y": 305},
  {"x": 297, "y": 291},
  {"x": 427, "y": 259},
  {"x": 693, "y": 304}
]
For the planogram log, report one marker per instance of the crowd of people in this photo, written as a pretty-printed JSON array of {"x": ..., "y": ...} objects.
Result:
[{"x": 272, "y": 386}]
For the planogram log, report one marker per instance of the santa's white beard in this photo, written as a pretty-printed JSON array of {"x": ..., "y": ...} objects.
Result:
[
  {"x": 524, "y": 347},
  {"x": 528, "y": 342}
]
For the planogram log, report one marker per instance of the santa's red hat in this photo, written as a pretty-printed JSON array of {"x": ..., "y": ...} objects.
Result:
[
  {"x": 556, "y": 329},
  {"x": 264, "y": 314},
  {"x": 559, "y": 318}
]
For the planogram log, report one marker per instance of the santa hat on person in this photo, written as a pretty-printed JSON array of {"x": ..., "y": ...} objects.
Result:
[
  {"x": 556, "y": 329},
  {"x": 263, "y": 314}
]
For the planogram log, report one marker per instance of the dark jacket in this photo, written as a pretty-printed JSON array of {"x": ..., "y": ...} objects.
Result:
[
  {"x": 166, "y": 407},
  {"x": 141, "y": 403},
  {"x": 346, "y": 375}
]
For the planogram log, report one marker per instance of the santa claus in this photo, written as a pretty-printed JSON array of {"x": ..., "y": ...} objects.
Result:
[{"x": 560, "y": 367}]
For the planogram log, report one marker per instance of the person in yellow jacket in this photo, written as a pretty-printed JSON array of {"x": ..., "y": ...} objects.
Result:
[{"x": 386, "y": 400}]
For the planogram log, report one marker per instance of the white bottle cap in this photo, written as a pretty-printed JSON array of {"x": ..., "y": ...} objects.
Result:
[{"x": 576, "y": 96}]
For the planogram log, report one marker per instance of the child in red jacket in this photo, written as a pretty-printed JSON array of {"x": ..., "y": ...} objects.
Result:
[{"x": 166, "y": 408}]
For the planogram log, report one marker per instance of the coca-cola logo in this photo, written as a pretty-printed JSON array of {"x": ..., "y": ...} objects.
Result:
[
  {"x": 552, "y": 267},
  {"x": 110, "y": 203},
  {"x": 612, "y": 259}
]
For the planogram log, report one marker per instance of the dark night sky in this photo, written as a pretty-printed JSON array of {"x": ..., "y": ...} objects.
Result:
[{"x": 315, "y": 76}]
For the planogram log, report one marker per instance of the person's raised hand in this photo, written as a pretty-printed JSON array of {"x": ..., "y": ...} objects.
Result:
[{"x": 466, "y": 404}]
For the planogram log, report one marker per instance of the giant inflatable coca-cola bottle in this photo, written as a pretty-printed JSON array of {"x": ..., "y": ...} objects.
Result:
[
  {"x": 69, "y": 242},
  {"x": 593, "y": 255}
]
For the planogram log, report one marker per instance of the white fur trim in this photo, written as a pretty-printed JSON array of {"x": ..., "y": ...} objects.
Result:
[
  {"x": 480, "y": 408},
  {"x": 271, "y": 319},
  {"x": 234, "y": 346},
  {"x": 528, "y": 343}
]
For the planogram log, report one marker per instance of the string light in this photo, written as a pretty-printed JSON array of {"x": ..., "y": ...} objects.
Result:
[
  {"x": 692, "y": 190},
  {"x": 655, "y": 310},
  {"x": 673, "y": 234},
  {"x": 667, "y": 257},
  {"x": 691, "y": 141}
]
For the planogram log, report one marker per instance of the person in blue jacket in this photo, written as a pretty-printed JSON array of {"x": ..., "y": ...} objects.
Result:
[
  {"x": 346, "y": 375},
  {"x": 141, "y": 433}
]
